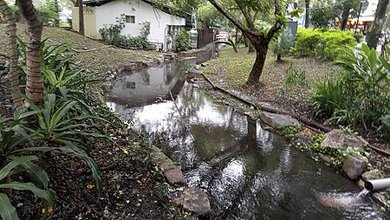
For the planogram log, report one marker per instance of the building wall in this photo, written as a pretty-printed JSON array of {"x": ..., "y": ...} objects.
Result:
[
  {"x": 89, "y": 21},
  {"x": 159, "y": 20}
]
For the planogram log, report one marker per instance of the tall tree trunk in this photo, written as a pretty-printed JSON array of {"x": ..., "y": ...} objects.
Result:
[
  {"x": 57, "y": 11},
  {"x": 307, "y": 13},
  {"x": 344, "y": 19},
  {"x": 376, "y": 28},
  {"x": 13, "y": 50},
  {"x": 81, "y": 17},
  {"x": 251, "y": 48},
  {"x": 34, "y": 87},
  {"x": 261, "y": 47}
]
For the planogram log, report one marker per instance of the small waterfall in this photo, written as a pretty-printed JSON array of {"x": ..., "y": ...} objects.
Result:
[{"x": 363, "y": 193}]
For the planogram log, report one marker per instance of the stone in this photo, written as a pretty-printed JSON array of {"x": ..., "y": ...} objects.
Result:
[
  {"x": 175, "y": 177},
  {"x": 194, "y": 200},
  {"x": 338, "y": 139},
  {"x": 325, "y": 158},
  {"x": 167, "y": 165},
  {"x": 197, "y": 67},
  {"x": 354, "y": 166},
  {"x": 372, "y": 174},
  {"x": 278, "y": 121},
  {"x": 158, "y": 157}
]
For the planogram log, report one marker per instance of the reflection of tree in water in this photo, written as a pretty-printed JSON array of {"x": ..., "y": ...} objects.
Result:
[{"x": 145, "y": 77}]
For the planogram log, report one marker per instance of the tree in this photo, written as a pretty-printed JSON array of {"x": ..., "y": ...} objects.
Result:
[
  {"x": 57, "y": 11},
  {"x": 376, "y": 28},
  {"x": 81, "y": 17},
  {"x": 307, "y": 13},
  {"x": 345, "y": 9},
  {"x": 323, "y": 13},
  {"x": 250, "y": 11},
  {"x": 13, "y": 50},
  {"x": 33, "y": 33}
]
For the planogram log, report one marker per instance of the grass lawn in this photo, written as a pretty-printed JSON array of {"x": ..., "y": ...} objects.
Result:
[
  {"x": 102, "y": 59},
  {"x": 287, "y": 84}
]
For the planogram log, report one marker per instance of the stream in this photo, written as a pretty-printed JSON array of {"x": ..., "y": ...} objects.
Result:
[{"x": 248, "y": 172}]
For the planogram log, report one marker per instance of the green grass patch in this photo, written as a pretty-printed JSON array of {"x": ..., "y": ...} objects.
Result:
[{"x": 234, "y": 67}]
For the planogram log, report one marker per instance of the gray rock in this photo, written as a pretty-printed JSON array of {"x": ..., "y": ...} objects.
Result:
[
  {"x": 354, "y": 166},
  {"x": 372, "y": 174},
  {"x": 175, "y": 177},
  {"x": 167, "y": 165},
  {"x": 278, "y": 121},
  {"x": 338, "y": 139},
  {"x": 194, "y": 200},
  {"x": 158, "y": 157}
]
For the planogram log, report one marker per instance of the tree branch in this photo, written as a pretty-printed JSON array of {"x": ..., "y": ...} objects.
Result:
[
  {"x": 278, "y": 25},
  {"x": 230, "y": 17}
]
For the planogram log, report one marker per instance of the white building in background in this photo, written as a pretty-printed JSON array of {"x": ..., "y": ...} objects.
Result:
[{"x": 99, "y": 13}]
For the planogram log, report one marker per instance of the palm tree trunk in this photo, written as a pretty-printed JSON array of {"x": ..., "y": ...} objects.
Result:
[
  {"x": 34, "y": 85},
  {"x": 13, "y": 50},
  {"x": 376, "y": 28}
]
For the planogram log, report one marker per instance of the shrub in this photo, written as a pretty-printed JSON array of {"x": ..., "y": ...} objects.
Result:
[
  {"x": 324, "y": 44},
  {"x": 328, "y": 96},
  {"x": 17, "y": 161},
  {"x": 182, "y": 41},
  {"x": 281, "y": 46},
  {"x": 112, "y": 34},
  {"x": 361, "y": 94}
]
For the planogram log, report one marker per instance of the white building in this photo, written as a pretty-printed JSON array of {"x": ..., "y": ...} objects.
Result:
[{"x": 99, "y": 13}]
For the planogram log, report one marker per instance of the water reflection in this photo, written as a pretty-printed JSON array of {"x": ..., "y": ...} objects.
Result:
[{"x": 249, "y": 173}]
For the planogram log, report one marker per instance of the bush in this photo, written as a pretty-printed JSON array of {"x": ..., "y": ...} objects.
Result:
[
  {"x": 182, "y": 41},
  {"x": 112, "y": 34},
  {"x": 328, "y": 96},
  {"x": 281, "y": 46},
  {"x": 323, "y": 44},
  {"x": 65, "y": 124},
  {"x": 361, "y": 95}
]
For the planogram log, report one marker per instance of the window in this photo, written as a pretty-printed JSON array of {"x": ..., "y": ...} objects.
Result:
[{"x": 130, "y": 19}]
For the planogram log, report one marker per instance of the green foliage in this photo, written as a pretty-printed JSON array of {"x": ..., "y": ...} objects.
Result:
[
  {"x": 112, "y": 34},
  {"x": 16, "y": 161},
  {"x": 360, "y": 95},
  {"x": 281, "y": 46},
  {"x": 291, "y": 131},
  {"x": 322, "y": 43},
  {"x": 337, "y": 155},
  {"x": 328, "y": 96},
  {"x": 66, "y": 124},
  {"x": 182, "y": 41},
  {"x": 296, "y": 77},
  {"x": 386, "y": 207}
]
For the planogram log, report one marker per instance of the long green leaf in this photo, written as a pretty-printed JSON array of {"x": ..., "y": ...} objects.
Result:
[
  {"x": 47, "y": 195},
  {"x": 57, "y": 116},
  {"x": 37, "y": 173},
  {"x": 7, "y": 211},
  {"x": 14, "y": 163}
]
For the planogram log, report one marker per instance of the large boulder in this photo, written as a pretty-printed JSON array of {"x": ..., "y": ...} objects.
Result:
[
  {"x": 338, "y": 139},
  {"x": 194, "y": 200},
  {"x": 354, "y": 166},
  {"x": 278, "y": 121}
]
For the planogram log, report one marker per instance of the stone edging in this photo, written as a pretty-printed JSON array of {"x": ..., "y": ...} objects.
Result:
[{"x": 191, "y": 199}]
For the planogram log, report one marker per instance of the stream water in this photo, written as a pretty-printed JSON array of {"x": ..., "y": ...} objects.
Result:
[{"x": 249, "y": 173}]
